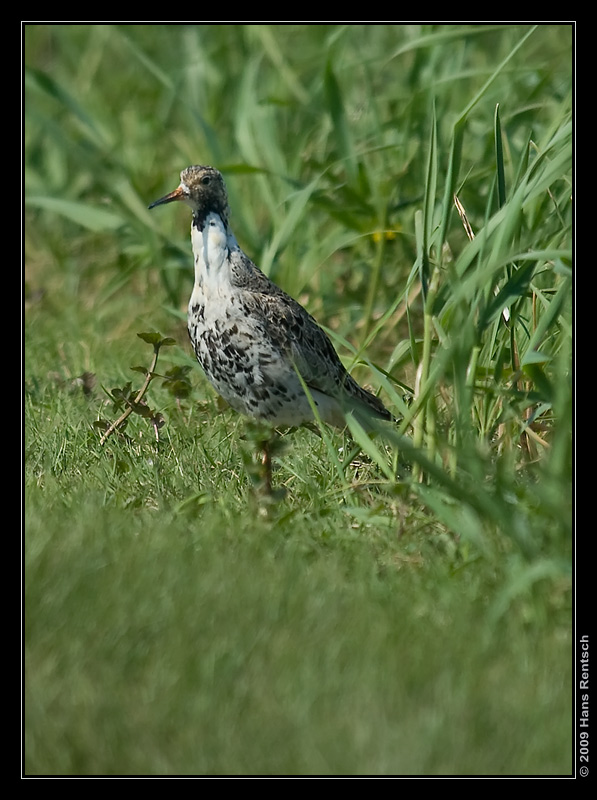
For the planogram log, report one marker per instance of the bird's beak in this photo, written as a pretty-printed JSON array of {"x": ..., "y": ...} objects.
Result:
[{"x": 177, "y": 194}]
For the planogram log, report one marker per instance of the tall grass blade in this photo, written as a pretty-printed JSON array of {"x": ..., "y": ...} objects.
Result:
[
  {"x": 342, "y": 132},
  {"x": 499, "y": 159}
]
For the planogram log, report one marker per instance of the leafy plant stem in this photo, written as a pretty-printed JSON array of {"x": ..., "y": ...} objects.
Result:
[{"x": 150, "y": 374}]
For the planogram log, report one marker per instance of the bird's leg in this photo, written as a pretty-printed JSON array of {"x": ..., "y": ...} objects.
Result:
[
  {"x": 265, "y": 443},
  {"x": 266, "y": 461}
]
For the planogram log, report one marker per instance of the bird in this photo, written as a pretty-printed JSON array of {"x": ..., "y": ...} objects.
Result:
[{"x": 258, "y": 347}]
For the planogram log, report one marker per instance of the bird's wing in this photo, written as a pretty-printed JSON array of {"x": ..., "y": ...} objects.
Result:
[{"x": 299, "y": 340}]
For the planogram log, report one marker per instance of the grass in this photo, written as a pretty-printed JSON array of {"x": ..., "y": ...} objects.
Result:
[{"x": 402, "y": 612}]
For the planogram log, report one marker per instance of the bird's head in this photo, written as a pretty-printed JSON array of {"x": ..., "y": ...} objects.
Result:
[{"x": 203, "y": 190}]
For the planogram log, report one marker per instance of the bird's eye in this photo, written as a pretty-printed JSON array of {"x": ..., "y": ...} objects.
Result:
[{"x": 205, "y": 180}]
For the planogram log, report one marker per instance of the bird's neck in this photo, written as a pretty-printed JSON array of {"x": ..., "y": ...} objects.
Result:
[
  {"x": 212, "y": 241},
  {"x": 203, "y": 213}
]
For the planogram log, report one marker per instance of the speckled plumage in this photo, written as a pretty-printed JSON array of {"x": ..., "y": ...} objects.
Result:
[{"x": 249, "y": 336}]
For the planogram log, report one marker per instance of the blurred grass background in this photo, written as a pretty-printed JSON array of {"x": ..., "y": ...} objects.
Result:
[{"x": 408, "y": 613}]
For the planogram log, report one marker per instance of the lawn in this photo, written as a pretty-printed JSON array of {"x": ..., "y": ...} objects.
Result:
[{"x": 401, "y": 605}]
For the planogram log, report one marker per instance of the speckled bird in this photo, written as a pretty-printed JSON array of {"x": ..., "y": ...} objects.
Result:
[{"x": 251, "y": 338}]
